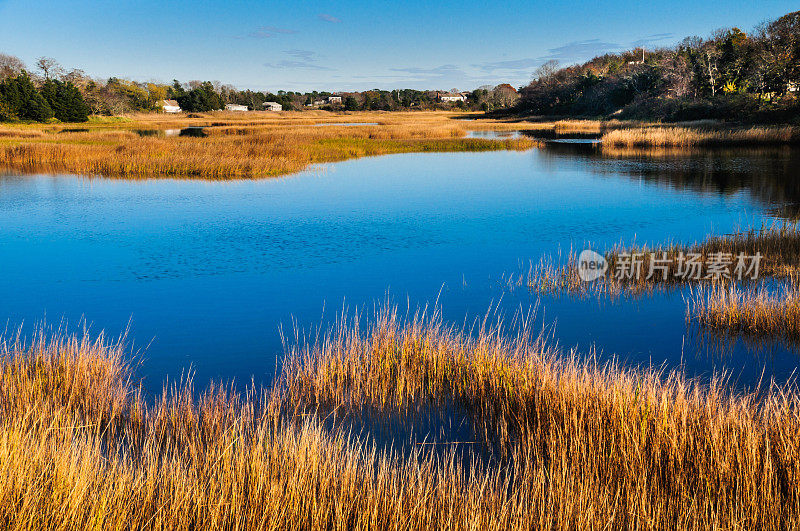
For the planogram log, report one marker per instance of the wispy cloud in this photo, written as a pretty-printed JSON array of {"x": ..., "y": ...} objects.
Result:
[
  {"x": 444, "y": 76},
  {"x": 328, "y": 18},
  {"x": 436, "y": 71},
  {"x": 650, "y": 40},
  {"x": 302, "y": 55},
  {"x": 301, "y": 59},
  {"x": 577, "y": 50},
  {"x": 567, "y": 53},
  {"x": 512, "y": 65},
  {"x": 295, "y": 65},
  {"x": 266, "y": 32}
]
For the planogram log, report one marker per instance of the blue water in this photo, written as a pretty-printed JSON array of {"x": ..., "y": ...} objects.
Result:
[{"x": 205, "y": 274}]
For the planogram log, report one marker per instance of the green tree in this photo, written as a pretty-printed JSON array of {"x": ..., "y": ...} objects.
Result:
[
  {"x": 20, "y": 100},
  {"x": 66, "y": 101},
  {"x": 202, "y": 98},
  {"x": 350, "y": 103}
]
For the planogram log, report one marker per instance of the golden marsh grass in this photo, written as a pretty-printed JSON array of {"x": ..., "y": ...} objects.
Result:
[
  {"x": 238, "y": 145},
  {"x": 262, "y": 144},
  {"x": 584, "y": 446},
  {"x": 778, "y": 246},
  {"x": 758, "y": 312},
  {"x": 682, "y": 136}
]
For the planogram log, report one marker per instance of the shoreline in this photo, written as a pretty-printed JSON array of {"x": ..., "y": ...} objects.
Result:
[
  {"x": 233, "y": 146},
  {"x": 260, "y": 144}
]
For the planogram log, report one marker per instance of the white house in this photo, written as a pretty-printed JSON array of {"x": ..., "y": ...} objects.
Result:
[
  {"x": 334, "y": 100},
  {"x": 272, "y": 106},
  {"x": 170, "y": 106},
  {"x": 452, "y": 96},
  {"x": 234, "y": 107}
]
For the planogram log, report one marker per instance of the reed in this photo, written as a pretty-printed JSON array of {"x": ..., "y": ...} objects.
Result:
[
  {"x": 247, "y": 145},
  {"x": 640, "y": 270},
  {"x": 758, "y": 312},
  {"x": 582, "y": 445},
  {"x": 666, "y": 136}
]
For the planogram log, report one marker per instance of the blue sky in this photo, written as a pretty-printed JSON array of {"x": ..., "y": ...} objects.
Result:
[{"x": 351, "y": 45}]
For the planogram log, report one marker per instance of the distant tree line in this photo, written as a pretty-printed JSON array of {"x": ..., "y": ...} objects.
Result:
[
  {"x": 731, "y": 75},
  {"x": 50, "y": 91}
]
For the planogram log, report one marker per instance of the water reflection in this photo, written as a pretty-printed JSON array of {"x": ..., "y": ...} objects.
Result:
[
  {"x": 770, "y": 175},
  {"x": 544, "y": 134},
  {"x": 590, "y": 141},
  {"x": 195, "y": 131},
  {"x": 207, "y": 272},
  {"x": 494, "y": 135},
  {"x": 555, "y": 134},
  {"x": 345, "y": 124}
]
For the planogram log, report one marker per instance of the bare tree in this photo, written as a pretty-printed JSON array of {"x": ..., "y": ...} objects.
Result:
[
  {"x": 709, "y": 61},
  {"x": 76, "y": 76},
  {"x": 10, "y": 66},
  {"x": 49, "y": 67},
  {"x": 546, "y": 70},
  {"x": 781, "y": 50},
  {"x": 678, "y": 74}
]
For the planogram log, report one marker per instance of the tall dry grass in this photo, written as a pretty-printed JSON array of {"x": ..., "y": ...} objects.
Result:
[
  {"x": 759, "y": 312},
  {"x": 672, "y": 136},
  {"x": 579, "y": 445},
  {"x": 237, "y": 146},
  {"x": 662, "y": 267}
]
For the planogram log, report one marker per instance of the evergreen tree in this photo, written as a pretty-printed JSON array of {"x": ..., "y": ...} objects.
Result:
[
  {"x": 200, "y": 99},
  {"x": 66, "y": 101},
  {"x": 20, "y": 100}
]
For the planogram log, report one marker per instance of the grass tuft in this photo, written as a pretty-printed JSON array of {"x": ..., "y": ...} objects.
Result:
[
  {"x": 572, "y": 444},
  {"x": 757, "y": 312},
  {"x": 669, "y": 136}
]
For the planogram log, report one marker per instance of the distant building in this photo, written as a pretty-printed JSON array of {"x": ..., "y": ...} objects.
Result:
[
  {"x": 272, "y": 106},
  {"x": 170, "y": 106},
  {"x": 330, "y": 100},
  {"x": 451, "y": 96},
  {"x": 234, "y": 107}
]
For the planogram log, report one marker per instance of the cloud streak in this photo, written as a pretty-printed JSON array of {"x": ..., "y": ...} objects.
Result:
[
  {"x": 649, "y": 40},
  {"x": 300, "y": 59},
  {"x": 576, "y": 50},
  {"x": 302, "y": 55},
  {"x": 328, "y": 18},
  {"x": 287, "y": 64},
  {"x": 568, "y": 53},
  {"x": 512, "y": 65},
  {"x": 441, "y": 77},
  {"x": 266, "y": 32}
]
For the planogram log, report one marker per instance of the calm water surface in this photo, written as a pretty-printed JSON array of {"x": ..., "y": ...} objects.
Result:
[{"x": 206, "y": 273}]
